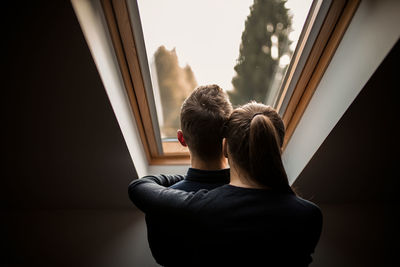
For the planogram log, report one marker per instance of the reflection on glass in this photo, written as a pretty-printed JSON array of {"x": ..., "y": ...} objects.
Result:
[{"x": 244, "y": 46}]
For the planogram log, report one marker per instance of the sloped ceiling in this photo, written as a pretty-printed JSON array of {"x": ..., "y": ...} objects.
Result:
[
  {"x": 63, "y": 145},
  {"x": 356, "y": 162}
]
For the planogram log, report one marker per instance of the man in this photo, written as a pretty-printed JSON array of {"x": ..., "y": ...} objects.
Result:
[{"x": 203, "y": 115}]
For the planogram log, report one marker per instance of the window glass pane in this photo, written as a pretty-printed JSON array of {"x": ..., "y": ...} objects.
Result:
[{"x": 244, "y": 46}]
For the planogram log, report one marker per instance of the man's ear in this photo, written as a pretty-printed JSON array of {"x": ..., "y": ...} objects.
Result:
[
  {"x": 181, "y": 140},
  {"x": 225, "y": 147}
]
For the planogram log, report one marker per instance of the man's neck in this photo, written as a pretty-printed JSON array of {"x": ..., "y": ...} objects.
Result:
[{"x": 217, "y": 164}]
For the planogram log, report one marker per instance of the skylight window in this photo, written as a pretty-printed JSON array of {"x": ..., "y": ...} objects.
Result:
[
  {"x": 271, "y": 51},
  {"x": 244, "y": 46}
]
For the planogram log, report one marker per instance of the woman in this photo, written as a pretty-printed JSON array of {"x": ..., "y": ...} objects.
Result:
[{"x": 254, "y": 220}]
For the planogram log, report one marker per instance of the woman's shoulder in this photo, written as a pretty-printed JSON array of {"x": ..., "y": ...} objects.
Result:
[{"x": 308, "y": 206}]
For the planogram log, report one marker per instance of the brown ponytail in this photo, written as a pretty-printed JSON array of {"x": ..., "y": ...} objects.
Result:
[{"x": 255, "y": 135}]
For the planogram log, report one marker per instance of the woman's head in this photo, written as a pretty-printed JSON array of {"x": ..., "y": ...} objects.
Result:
[{"x": 254, "y": 135}]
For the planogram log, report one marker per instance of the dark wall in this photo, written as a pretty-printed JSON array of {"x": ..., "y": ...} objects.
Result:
[
  {"x": 63, "y": 190},
  {"x": 85, "y": 237},
  {"x": 353, "y": 177},
  {"x": 356, "y": 162},
  {"x": 64, "y": 148}
]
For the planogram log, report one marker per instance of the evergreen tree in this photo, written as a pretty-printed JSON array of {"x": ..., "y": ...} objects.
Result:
[
  {"x": 264, "y": 41},
  {"x": 175, "y": 84}
]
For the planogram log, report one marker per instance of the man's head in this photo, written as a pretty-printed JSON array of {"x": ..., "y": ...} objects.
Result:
[{"x": 203, "y": 115}]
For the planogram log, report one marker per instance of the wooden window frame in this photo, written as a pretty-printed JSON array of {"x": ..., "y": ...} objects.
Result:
[
  {"x": 331, "y": 32},
  {"x": 119, "y": 25}
]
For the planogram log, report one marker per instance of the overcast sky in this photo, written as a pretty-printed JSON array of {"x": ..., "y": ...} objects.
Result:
[{"x": 206, "y": 33}]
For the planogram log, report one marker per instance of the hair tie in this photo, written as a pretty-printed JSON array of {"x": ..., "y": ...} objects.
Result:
[{"x": 258, "y": 113}]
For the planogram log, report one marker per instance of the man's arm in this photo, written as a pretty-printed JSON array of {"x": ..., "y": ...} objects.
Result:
[{"x": 151, "y": 194}]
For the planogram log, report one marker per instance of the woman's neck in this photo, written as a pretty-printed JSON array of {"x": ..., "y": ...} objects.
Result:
[{"x": 240, "y": 179}]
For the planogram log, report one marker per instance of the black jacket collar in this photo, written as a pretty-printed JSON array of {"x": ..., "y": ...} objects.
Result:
[{"x": 205, "y": 176}]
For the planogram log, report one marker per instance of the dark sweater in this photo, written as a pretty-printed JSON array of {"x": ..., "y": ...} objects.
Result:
[
  {"x": 196, "y": 179},
  {"x": 230, "y": 226},
  {"x": 159, "y": 231}
]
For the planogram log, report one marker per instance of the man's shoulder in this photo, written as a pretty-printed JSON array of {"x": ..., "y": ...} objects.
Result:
[
  {"x": 180, "y": 185},
  {"x": 167, "y": 176},
  {"x": 194, "y": 186},
  {"x": 197, "y": 179},
  {"x": 161, "y": 179}
]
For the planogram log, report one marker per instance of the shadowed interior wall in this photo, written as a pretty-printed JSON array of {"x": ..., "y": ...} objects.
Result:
[
  {"x": 83, "y": 237},
  {"x": 353, "y": 179},
  {"x": 67, "y": 168}
]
